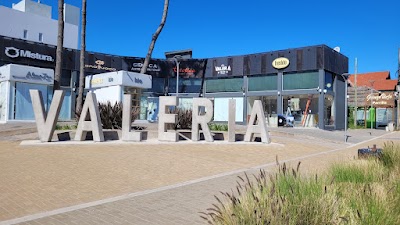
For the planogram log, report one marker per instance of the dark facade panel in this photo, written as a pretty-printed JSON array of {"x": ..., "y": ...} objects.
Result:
[
  {"x": 98, "y": 63},
  {"x": 69, "y": 59},
  {"x": 309, "y": 59},
  {"x": 300, "y": 59},
  {"x": 255, "y": 65},
  {"x": 237, "y": 66},
  {"x": 24, "y": 53},
  {"x": 335, "y": 61},
  {"x": 320, "y": 57},
  {"x": 221, "y": 67}
]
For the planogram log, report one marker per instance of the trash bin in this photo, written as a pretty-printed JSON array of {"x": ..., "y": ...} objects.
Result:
[{"x": 281, "y": 120}]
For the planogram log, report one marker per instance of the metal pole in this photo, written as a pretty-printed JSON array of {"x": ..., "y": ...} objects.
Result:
[
  {"x": 345, "y": 111},
  {"x": 177, "y": 77},
  {"x": 355, "y": 93},
  {"x": 370, "y": 110}
]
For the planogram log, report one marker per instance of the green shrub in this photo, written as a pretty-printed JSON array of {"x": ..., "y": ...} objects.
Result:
[
  {"x": 66, "y": 127},
  {"x": 363, "y": 192},
  {"x": 111, "y": 115},
  {"x": 390, "y": 157},
  {"x": 218, "y": 127},
  {"x": 354, "y": 173},
  {"x": 184, "y": 118}
]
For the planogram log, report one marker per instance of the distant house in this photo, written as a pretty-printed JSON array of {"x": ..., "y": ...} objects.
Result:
[{"x": 376, "y": 90}]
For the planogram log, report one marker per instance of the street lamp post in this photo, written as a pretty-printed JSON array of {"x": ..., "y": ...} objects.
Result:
[
  {"x": 345, "y": 77},
  {"x": 177, "y": 73}
]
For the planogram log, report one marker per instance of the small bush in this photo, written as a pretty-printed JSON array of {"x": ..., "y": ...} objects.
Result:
[
  {"x": 363, "y": 192},
  {"x": 111, "y": 115},
  {"x": 218, "y": 127},
  {"x": 184, "y": 120}
]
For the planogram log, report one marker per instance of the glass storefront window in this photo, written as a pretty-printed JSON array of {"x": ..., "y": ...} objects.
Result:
[
  {"x": 328, "y": 110},
  {"x": 224, "y": 85},
  {"x": 186, "y": 85},
  {"x": 295, "y": 105},
  {"x": 157, "y": 85},
  {"x": 269, "y": 103},
  {"x": 292, "y": 81},
  {"x": 263, "y": 83}
]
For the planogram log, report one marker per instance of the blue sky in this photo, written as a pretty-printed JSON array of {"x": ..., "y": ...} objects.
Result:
[{"x": 368, "y": 30}]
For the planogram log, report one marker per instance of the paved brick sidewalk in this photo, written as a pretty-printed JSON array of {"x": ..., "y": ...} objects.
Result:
[{"x": 40, "y": 179}]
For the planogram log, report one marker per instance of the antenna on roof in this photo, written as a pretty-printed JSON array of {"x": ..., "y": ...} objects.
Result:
[{"x": 337, "y": 48}]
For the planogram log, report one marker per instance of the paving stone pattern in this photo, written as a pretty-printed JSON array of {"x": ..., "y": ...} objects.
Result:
[{"x": 149, "y": 184}]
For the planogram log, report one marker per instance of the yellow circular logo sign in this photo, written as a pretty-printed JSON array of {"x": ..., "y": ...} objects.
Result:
[{"x": 280, "y": 63}]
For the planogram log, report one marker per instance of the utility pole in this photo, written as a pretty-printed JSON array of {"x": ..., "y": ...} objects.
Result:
[
  {"x": 398, "y": 93},
  {"x": 355, "y": 93}
]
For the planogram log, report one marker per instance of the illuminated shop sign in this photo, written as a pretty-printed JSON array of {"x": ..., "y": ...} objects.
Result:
[
  {"x": 100, "y": 66},
  {"x": 223, "y": 69},
  {"x": 280, "y": 63},
  {"x": 14, "y": 52},
  {"x": 188, "y": 72},
  {"x": 152, "y": 67}
]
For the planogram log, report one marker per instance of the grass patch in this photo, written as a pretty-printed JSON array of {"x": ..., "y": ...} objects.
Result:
[
  {"x": 66, "y": 127},
  {"x": 364, "y": 191}
]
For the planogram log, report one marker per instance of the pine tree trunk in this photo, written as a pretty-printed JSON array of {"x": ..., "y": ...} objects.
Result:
[
  {"x": 155, "y": 36},
  {"x": 79, "y": 101},
  {"x": 60, "y": 41}
]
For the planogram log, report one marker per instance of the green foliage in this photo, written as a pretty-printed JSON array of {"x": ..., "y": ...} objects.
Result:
[
  {"x": 184, "y": 118},
  {"x": 350, "y": 120},
  {"x": 66, "y": 127},
  {"x": 111, "y": 115},
  {"x": 218, "y": 127},
  {"x": 354, "y": 173},
  {"x": 364, "y": 192}
]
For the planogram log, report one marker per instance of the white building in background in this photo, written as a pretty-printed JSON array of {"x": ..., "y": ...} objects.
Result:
[{"x": 31, "y": 21}]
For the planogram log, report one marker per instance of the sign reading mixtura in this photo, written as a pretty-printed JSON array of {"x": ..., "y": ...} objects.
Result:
[
  {"x": 14, "y": 52},
  {"x": 46, "y": 123}
]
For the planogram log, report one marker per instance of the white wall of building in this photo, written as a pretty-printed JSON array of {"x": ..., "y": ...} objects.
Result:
[
  {"x": 34, "y": 18},
  {"x": 34, "y": 8},
  {"x": 111, "y": 93}
]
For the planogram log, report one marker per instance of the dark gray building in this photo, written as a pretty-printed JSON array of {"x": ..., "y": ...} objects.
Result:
[{"x": 304, "y": 83}]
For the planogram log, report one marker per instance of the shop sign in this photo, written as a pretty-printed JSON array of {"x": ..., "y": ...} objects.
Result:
[
  {"x": 27, "y": 74},
  {"x": 223, "y": 69},
  {"x": 32, "y": 76},
  {"x": 188, "y": 72},
  {"x": 385, "y": 99},
  {"x": 14, "y": 52},
  {"x": 100, "y": 66},
  {"x": 152, "y": 67},
  {"x": 280, "y": 63}
]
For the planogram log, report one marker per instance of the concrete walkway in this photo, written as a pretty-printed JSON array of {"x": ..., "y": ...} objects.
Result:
[{"x": 154, "y": 183}]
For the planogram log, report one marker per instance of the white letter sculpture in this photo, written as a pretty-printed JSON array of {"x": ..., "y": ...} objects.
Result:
[
  {"x": 232, "y": 120},
  {"x": 127, "y": 134},
  {"x": 202, "y": 120},
  {"x": 46, "y": 124},
  {"x": 163, "y": 118},
  {"x": 261, "y": 127},
  {"x": 90, "y": 108}
]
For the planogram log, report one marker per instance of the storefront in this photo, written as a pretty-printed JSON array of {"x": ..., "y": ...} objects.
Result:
[
  {"x": 111, "y": 87},
  {"x": 305, "y": 83},
  {"x": 15, "y": 83}
]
